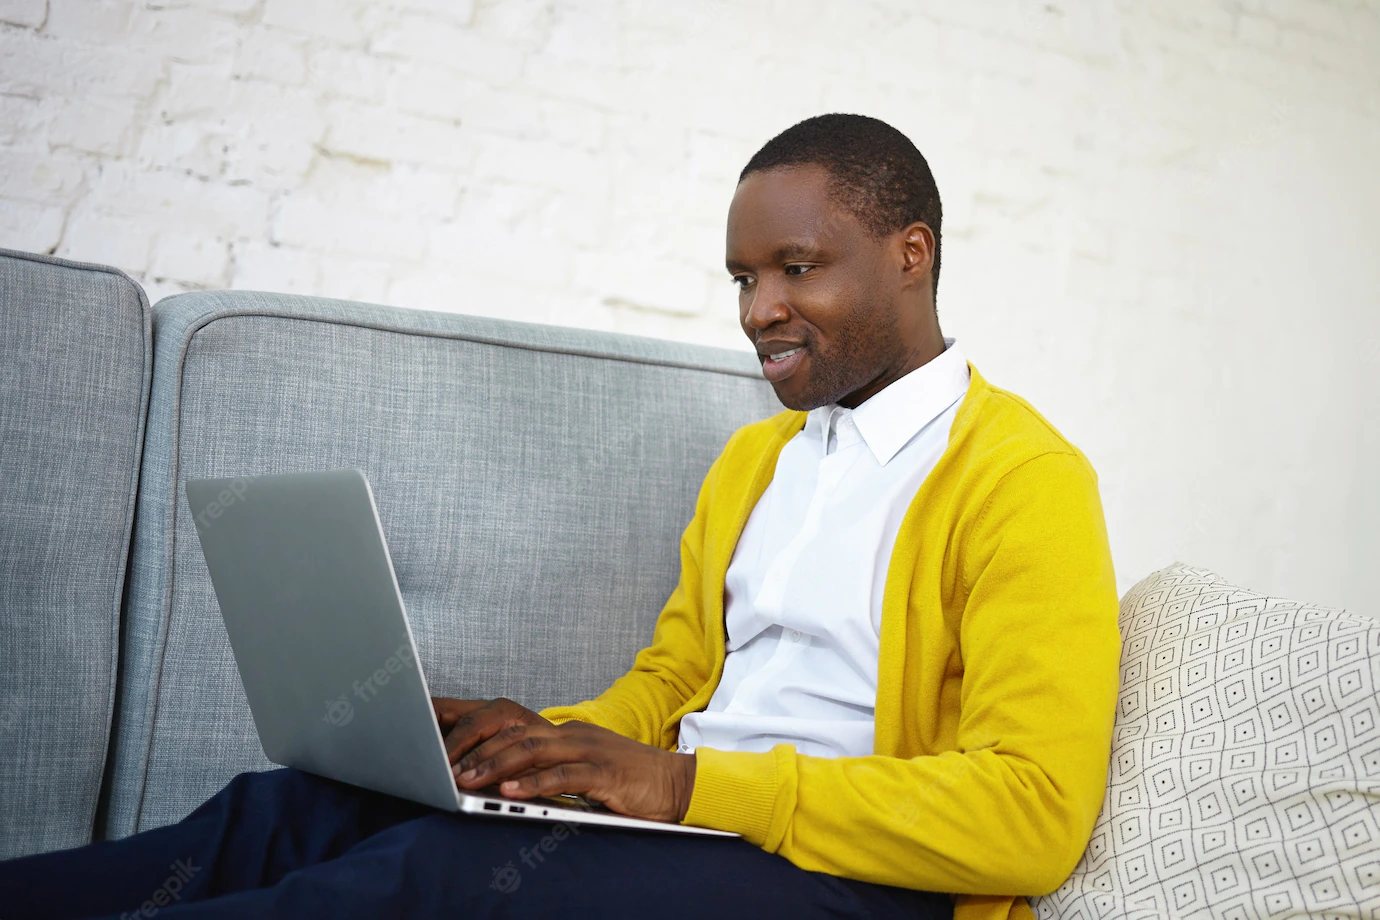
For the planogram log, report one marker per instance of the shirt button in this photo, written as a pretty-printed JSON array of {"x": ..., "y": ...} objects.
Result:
[{"x": 795, "y": 636}]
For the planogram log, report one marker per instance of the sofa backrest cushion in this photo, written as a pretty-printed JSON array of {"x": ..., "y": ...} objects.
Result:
[
  {"x": 532, "y": 482},
  {"x": 74, "y": 376},
  {"x": 1245, "y": 773}
]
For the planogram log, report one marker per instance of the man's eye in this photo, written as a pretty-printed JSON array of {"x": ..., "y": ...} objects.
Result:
[
  {"x": 742, "y": 281},
  {"x": 798, "y": 269}
]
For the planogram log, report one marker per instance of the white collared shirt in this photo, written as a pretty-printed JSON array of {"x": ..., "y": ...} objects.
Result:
[{"x": 803, "y": 594}]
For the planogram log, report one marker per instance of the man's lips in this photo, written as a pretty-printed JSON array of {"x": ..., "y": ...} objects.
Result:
[{"x": 780, "y": 363}]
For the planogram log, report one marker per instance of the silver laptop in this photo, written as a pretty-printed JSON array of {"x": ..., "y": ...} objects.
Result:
[{"x": 316, "y": 621}]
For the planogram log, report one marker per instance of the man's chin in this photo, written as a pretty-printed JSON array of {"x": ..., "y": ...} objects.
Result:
[{"x": 797, "y": 398}]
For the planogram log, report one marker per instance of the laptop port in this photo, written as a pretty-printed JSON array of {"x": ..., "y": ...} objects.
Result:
[
  {"x": 517, "y": 809},
  {"x": 492, "y": 806}
]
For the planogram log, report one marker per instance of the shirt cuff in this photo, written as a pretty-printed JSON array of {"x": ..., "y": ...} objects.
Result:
[{"x": 747, "y": 793}]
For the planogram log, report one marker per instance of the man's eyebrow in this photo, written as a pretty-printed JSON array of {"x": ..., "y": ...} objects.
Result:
[
  {"x": 794, "y": 249},
  {"x": 791, "y": 249}
]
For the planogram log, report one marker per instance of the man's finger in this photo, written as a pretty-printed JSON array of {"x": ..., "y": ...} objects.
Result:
[
  {"x": 571, "y": 778},
  {"x": 475, "y": 726},
  {"x": 486, "y": 749},
  {"x": 486, "y": 721},
  {"x": 511, "y": 734},
  {"x": 536, "y": 747},
  {"x": 449, "y": 711}
]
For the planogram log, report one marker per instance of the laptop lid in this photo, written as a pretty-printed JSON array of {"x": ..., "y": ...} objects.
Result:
[{"x": 316, "y": 621}]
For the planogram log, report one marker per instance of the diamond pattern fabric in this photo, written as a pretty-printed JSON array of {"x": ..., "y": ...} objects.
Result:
[{"x": 1245, "y": 772}]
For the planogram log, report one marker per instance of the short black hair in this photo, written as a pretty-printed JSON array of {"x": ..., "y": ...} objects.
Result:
[{"x": 878, "y": 174}]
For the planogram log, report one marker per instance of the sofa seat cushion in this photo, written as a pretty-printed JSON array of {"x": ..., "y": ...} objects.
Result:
[
  {"x": 74, "y": 377},
  {"x": 1245, "y": 772}
]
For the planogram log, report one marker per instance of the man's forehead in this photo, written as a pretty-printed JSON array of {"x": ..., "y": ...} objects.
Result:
[
  {"x": 796, "y": 191},
  {"x": 785, "y": 208}
]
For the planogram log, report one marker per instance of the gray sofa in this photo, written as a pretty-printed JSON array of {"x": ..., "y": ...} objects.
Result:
[
  {"x": 75, "y": 363},
  {"x": 533, "y": 482}
]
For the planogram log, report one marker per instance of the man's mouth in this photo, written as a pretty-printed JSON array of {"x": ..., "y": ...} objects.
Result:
[{"x": 779, "y": 365}]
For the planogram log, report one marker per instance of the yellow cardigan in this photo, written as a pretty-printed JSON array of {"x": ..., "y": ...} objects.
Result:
[{"x": 996, "y": 685}]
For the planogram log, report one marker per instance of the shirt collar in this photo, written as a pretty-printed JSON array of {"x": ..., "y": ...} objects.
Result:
[{"x": 890, "y": 418}]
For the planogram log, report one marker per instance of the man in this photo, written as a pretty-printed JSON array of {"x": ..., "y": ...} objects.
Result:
[{"x": 890, "y": 663}]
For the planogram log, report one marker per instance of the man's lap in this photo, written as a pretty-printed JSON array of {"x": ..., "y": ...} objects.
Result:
[{"x": 310, "y": 845}]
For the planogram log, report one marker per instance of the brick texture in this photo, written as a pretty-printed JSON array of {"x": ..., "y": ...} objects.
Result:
[{"x": 1159, "y": 217}]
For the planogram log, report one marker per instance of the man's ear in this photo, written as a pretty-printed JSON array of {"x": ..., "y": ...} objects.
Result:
[{"x": 917, "y": 250}]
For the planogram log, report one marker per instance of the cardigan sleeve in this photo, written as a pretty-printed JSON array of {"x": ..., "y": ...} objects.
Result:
[
  {"x": 674, "y": 667},
  {"x": 1011, "y": 809}
]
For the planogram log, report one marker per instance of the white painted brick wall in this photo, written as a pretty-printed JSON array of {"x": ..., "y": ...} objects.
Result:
[{"x": 1160, "y": 217}]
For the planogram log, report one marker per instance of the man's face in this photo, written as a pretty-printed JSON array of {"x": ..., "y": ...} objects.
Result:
[{"x": 819, "y": 296}]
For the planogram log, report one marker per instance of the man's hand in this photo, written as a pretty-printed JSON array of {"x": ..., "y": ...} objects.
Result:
[
  {"x": 465, "y": 723},
  {"x": 534, "y": 758}
]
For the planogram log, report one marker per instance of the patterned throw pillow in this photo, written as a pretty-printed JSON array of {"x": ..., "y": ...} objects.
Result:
[{"x": 1245, "y": 774}]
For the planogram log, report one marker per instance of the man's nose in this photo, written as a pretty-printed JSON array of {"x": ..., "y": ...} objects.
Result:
[{"x": 766, "y": 307}]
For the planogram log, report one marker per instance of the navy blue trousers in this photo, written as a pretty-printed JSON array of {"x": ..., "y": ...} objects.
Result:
[{"x": 291, "y": 845}]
